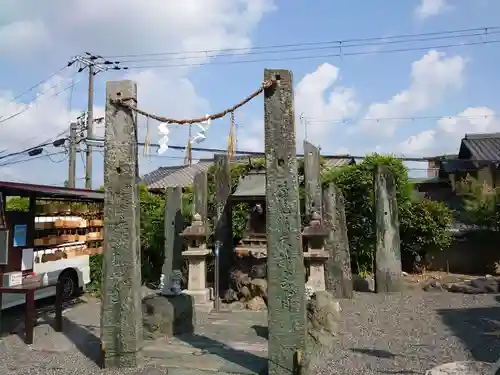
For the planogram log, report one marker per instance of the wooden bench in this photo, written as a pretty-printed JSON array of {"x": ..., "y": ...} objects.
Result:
[{"x": 30, "y": 309}]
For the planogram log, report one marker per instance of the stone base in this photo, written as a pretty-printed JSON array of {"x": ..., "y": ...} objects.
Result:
[
  {"x": 200, "y": 297},
  {"x": 167, "y": 316},
  {"x": 462, "y": 368}
]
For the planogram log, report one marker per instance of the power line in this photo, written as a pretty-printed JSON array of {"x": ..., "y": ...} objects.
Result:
[
  {"x": 29, "y": 107},
  {"x": 32, "y": 148},
  {"x": 31, "y": 158},
  {"x": 485, "y": 30},
  {"x": 97, "y": 62},
  {"x": 100, "y": 143},
  {"x": 38, "y": 84},
  {"x": 338, "y": 46},
  {"x": 291, "y": 58},
  {"x": 412, "y": 118}
]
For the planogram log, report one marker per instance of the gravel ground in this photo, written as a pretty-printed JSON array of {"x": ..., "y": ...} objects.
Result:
[
  {"x": 392, "y": 334},
  {"x": 396, "y": 334}
]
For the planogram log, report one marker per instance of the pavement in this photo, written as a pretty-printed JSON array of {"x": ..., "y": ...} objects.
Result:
[
  {"x": 226, "y": 342},
  {"x": 378, "y": 334}
]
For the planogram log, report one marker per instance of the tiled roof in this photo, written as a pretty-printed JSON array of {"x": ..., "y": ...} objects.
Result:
[
  {"x": 45, "y": 191},
  {"x": 174, "y": 176},
  {"x": 252, "y": 185},
  {"x": 183, "y": 175},
  {"x": 336, "y": 162},
  {"x": 482, "y": 147}
]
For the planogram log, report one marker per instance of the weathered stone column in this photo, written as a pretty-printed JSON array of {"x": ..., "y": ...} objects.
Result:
[
  {"x": 200, "y": 195},
  {"x": 223, "y": 222},
  {"x": 121, "y": 315},
  {"x": 388, "y": 272},
  {"x": 171, "y": 271},
  {"x": 338, "y": 275},
  {"x": 312, "y": 179},
  {"x": 196, "y": 236},
  {"x": 285, "y": 268}
]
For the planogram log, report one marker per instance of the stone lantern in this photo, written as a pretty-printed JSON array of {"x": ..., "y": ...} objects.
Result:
[
  {"x": 315, "y": 256},
  {"x": 196, "y": 237}
]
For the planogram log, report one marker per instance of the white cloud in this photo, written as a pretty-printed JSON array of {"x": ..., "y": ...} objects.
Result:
[
  {"x": 450, "y": 130},
  {"x": 416, "y": 143},
  {"x": 317, "y": 97},
  {"x": 8, "y": 174},
  {"x": 119, "y": 27},
  {"x": 23, "y": 38},
  {"x": 342, "y": 151},
  {"x": 129, "y": 26},
  {"x": 432, "y": 78},
  {"x": 41, "y": 119},
  {"x": 251, "y": 136},
  {"x": 430, "y": 8}
]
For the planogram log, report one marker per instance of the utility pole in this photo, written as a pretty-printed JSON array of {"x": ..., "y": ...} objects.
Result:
[
  {"x": 72, "y": 154},
  {"x": 90, "y": 130},
  {"x": 95, "y": 64}
]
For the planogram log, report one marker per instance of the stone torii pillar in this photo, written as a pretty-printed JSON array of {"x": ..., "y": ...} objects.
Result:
[
  {"x": 121, "y": 313},
  {"x": 285, "y": 266}
]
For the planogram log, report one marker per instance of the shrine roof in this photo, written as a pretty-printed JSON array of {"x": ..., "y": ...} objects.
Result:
[
  {"x": 252, "y": 185},
  {"x": 183, "y": 175}
]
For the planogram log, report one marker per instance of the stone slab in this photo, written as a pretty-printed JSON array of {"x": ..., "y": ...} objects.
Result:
[
  {"x": 462, "y": 368},
  {"x": 215, "y": 358}
]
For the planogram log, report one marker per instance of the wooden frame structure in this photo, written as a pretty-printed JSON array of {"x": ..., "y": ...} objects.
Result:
[{"x": 9, "y": 220}]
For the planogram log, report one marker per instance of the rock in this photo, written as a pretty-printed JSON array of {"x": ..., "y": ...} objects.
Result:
[
  {"x": 256, "y": 304},
  {"x": 481, "y": 285},
  {"x": 434, "y": 286},
  {"x": 230, "y": 295},
  {"x": 240, "y": 278},
  {"x": 259, "y": 287},
  {"x": 323, "y": 313},
  {"x": 245, "y": 293},
  {"x": 148, "y": 291},
  {"x": 259, "y": 270},
  {"x": 363, "y": 284},
  {"x": 461, "y": 368},
  {"x": 236, "y": 306},
  {"x": 488, "y": 285},
  {"x": 464, "y": 288},
  {"x": 167, "y": 316}
]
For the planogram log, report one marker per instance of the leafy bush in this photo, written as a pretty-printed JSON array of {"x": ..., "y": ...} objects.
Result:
[
  {"x": 481, "y": 203},
  {"x": 95, "y": 263},
  {"x": 423, "y": 225}
]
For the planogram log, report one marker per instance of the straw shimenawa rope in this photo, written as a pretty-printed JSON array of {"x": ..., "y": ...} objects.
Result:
[{"x": 265, "y": 85}]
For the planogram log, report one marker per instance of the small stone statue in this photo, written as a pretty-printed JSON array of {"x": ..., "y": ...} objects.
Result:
[{"x": 174, "y": 284}]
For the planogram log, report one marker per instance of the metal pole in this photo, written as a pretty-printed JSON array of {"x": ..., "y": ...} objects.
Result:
[
  {"x": 72, "y": 155},
  {"x": 218, "y": 245},
  {"x": 90, "y": 129}
]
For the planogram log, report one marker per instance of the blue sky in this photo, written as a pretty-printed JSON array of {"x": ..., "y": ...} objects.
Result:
[{"x": 36, "y": 41}]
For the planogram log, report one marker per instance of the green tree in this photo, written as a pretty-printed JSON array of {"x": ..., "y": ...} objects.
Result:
[
  {"x": 19, "y": 204},
  {"x": 481, "y": 203},
  {"x": 423, "y": 224}
]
